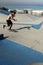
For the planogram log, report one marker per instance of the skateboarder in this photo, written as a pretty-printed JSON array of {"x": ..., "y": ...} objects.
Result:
[{"x": 9, "y": 20}]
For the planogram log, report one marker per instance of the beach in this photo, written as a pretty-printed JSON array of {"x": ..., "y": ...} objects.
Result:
[{"x": 30, "y": 37}]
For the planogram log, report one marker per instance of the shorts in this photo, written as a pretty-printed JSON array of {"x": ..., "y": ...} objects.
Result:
[{"x": 9, "y": 22}]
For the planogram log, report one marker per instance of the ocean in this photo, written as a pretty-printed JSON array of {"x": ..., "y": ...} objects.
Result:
[{"x": 25, "y": 6}]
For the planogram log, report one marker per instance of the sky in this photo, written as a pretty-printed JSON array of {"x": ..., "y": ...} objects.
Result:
[{"x": 21, "y": 1}]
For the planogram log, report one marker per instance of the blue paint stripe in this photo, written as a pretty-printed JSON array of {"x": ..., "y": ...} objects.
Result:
[
  {"x": 4, "y": 12},
  {"x": 12, "y": 53}
]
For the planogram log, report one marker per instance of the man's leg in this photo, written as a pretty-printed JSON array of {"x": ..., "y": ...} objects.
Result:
[
  {"x": 10, "y": 25},
  {"x": 4, "y": 26}
]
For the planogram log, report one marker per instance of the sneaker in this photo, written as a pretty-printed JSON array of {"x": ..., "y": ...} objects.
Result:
[{"x": 4, "y": 26}]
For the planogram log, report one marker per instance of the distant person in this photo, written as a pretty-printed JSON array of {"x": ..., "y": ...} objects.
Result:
[{"x": 9, "y": 20}]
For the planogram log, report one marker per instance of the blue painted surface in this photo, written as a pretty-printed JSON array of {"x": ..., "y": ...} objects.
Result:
[
  {"x": 4, "y": 12},
  {"x": 37, "y": 26},
  {"x": 12, "y": 53}
]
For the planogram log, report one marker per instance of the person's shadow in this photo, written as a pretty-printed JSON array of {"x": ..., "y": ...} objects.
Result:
[
  {"x": 16, "y": 30},
  {"x": 2, "y": 37},
  {"x": 13, "y": 30},
  {"x": 24, "y": 28}
]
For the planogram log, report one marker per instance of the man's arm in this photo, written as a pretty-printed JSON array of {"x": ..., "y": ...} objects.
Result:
[{"x": 14, "y": 19}]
